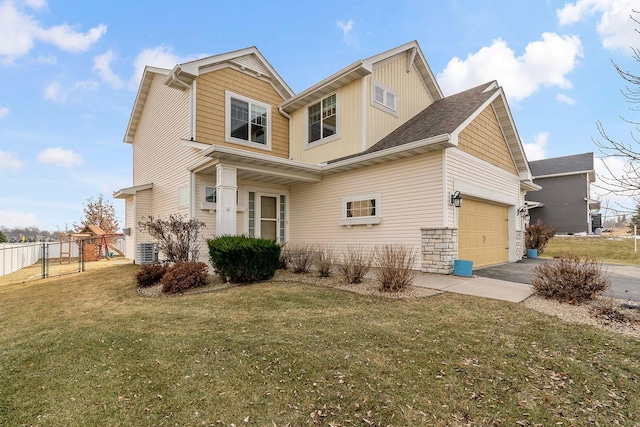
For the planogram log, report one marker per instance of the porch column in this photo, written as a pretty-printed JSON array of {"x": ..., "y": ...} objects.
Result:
[{"x": 226, "y": 187}]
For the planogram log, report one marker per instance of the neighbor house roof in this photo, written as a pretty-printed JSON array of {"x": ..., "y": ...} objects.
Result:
[{"x": 566, "y": 165}]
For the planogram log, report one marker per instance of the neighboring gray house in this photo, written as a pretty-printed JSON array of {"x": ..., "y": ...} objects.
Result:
[{"x": 565, "y": 198}]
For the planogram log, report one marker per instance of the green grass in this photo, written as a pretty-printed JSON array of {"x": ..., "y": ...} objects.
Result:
[
  {"x": 87, "y": 350},
  {"x": 607, "y": 249}
]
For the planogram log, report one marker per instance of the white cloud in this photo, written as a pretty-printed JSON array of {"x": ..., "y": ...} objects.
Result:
[
  {"x": 537, "y": 149},
  {"x": 615, "y": 27},
  {"x": 15, "y": 219},
  {"x": 160, "y": 56},
  {"x": 544, "y": 63},
  {"x": 9, "y": 161},
  {"x": 57, "y": 156},
  {"x": 102, "y": 66},
  {"x": 86, "y": 85},
  {"x": 347, "y": 32},
  {"x": 19, "y": 31},
  {"x": 54, "y": 93},
  {"x": 561, "y": 97},
  {"x": 66, "y": 38},
  {"x": 35, "y": 4},
  {"x": 4, "y": 111}
]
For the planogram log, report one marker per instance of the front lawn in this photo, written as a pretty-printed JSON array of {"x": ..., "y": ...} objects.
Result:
[
  {"x": 607, "y": 249},
  {"x": 88, "y": 350}
]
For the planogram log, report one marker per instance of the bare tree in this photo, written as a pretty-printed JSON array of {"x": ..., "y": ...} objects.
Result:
[
  {"x": 99, "y": 212},
  {"x": 625, "y": 182}
]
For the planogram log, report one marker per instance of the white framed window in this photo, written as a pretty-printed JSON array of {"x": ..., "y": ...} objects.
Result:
[
  {"x": 248, "y": 122},
  {"x": 322, "y": 120},
  {"x": 384, "y": 98},
  {"x": 183, "y": 196},
  {"x": 363, "y": 209},
  {"x": 210, "y": 199}
]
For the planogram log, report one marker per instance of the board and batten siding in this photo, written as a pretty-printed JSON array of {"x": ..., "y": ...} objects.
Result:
[
  {"x": 411, "y": 197},
  {"x": 159, "y": 156},
  {"x": 210, "y": 108},
  {"x": 413, "y": 97},
  {"x": 349, "y": 140},
  {"x": 484, "y": 139}
]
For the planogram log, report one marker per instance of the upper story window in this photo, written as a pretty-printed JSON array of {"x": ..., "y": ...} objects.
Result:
[
  {"x": 248, "y": 122},
  {"x": 384, "y": 98},
  {"x": 323, "y": 119}
]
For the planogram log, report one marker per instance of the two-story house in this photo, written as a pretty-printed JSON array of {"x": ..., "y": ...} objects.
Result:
[
  {"x": 373, "y": 154},
  {"x": 565, "y": 198}
]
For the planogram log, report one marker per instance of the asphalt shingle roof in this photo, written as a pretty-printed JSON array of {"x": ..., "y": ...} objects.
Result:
[
  {"x": 562, "y": 165},
  {"x": 442, "y": 117}
]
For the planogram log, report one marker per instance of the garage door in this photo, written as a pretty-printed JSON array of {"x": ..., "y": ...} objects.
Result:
[{"x": 483, "y": 232}]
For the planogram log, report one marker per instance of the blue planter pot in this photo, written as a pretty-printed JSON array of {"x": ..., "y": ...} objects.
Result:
[
  {"x": 462, "y": 267},
  {"x": 532, "y": 253}
]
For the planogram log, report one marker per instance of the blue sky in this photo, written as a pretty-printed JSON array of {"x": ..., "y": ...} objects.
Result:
[{"x": 70, "y": 71}]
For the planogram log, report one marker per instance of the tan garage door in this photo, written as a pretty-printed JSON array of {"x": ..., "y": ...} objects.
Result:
[{"x": 483, "y": 232}]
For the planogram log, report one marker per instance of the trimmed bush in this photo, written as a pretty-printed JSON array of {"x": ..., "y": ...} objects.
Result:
[
  {"x": 356, "y": 263},
  {"x": 394, "y": 267},
  {"x": 183, "y": 276},
  {"x": 570, "y": 279},
  {"x": 150, "y": 275},
  {"x": 301, "y": 257},
  {"x": 242, "y": 259},
  {"x": 538, "y": 235},
  {"x": 324, "y": 261}
]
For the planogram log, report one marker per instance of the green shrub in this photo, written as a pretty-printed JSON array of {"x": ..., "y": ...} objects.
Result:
[
  {"x": 570, "y": 279},
  {"x": 183, "y": 276},
  {"x": 538, "y": 235},
  {"x": 150, "y": 275},
  {"x": 394, "y": 267},
  {"x": 242, "y": 259}
]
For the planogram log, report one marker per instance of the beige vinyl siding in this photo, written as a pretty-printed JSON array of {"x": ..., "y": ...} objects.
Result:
[
  {"x": 210, "y": 108},
  {"x": 411, "y": 197},
  {"x": 413, "y": 97},
  {"x": 466, "y": 168},
  {"x": 349, "y": 141},
  {"x": 129, "y": 247},
  {"x": 143, "y": 209},
  {"x": 484, "y": 139},
  {"x": 159, "y": 157}
]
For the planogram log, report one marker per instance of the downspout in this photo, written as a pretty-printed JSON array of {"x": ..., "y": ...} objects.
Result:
[{"x": 281, "y": 110}]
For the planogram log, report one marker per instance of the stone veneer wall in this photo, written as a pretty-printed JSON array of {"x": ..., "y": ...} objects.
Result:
[
  {"x": 439, "y": 249},
  {"x": 520, "y": 249}
]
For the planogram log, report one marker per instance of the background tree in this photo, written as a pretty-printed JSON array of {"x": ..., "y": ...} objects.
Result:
[
  {"x": 635, "y": 219},
  {"x": 625, "y": 182},
  {"x": 3, "y": 237},
  {"x": 99, "y": 212}
]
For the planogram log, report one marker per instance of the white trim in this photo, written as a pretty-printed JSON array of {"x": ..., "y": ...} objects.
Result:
[
  {"x": 227, "y": 129},
  {"x": 130, "y": 191},
  {"x": 193, "y": 93},
  {"x": 211, "y": 206},
  {"x": 587, "y": 172},
  {"x": 489, "y": 194},
  {"x": 386, "y": 91},
  {"x": 361, "y": 220},
  {"x": 445, "y": 189},
  {"x": 192, "y": 195},
  {"x": 331, "y": 138},
  {"x": 194, "y": 144},
  {"x": 363, "y": 127},
  {"x": 410, "y": 58}
]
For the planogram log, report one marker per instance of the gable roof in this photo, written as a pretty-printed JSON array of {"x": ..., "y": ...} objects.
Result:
[
  {"x": 141, "y": 99},
  {"x": 362, "y": 68},
  {"x": 181, "y": 77},
  {"x": 446, "y": 118},
  {"x": 249, "y": 60},
  {"x": 566, "y": 165}
]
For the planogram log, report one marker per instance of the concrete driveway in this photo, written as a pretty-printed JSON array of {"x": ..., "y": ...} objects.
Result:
[{"x": 625, "y": 279}]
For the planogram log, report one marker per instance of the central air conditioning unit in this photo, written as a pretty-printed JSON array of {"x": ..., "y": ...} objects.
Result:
[{"x": 147, "y": 253}]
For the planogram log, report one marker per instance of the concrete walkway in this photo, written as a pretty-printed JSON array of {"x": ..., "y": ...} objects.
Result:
[{"x": 475, "y": 286}]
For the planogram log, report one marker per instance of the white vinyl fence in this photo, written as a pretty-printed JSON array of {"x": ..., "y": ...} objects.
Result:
[{"x": 16, "y": 256}]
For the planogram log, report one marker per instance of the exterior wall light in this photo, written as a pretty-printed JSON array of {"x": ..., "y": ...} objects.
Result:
[{"x": 456, "y": 199}]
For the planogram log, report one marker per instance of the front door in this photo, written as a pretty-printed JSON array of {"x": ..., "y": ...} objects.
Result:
[
  {"x": 266, "y": 217},
  {"x": 269, "y": 217}
]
